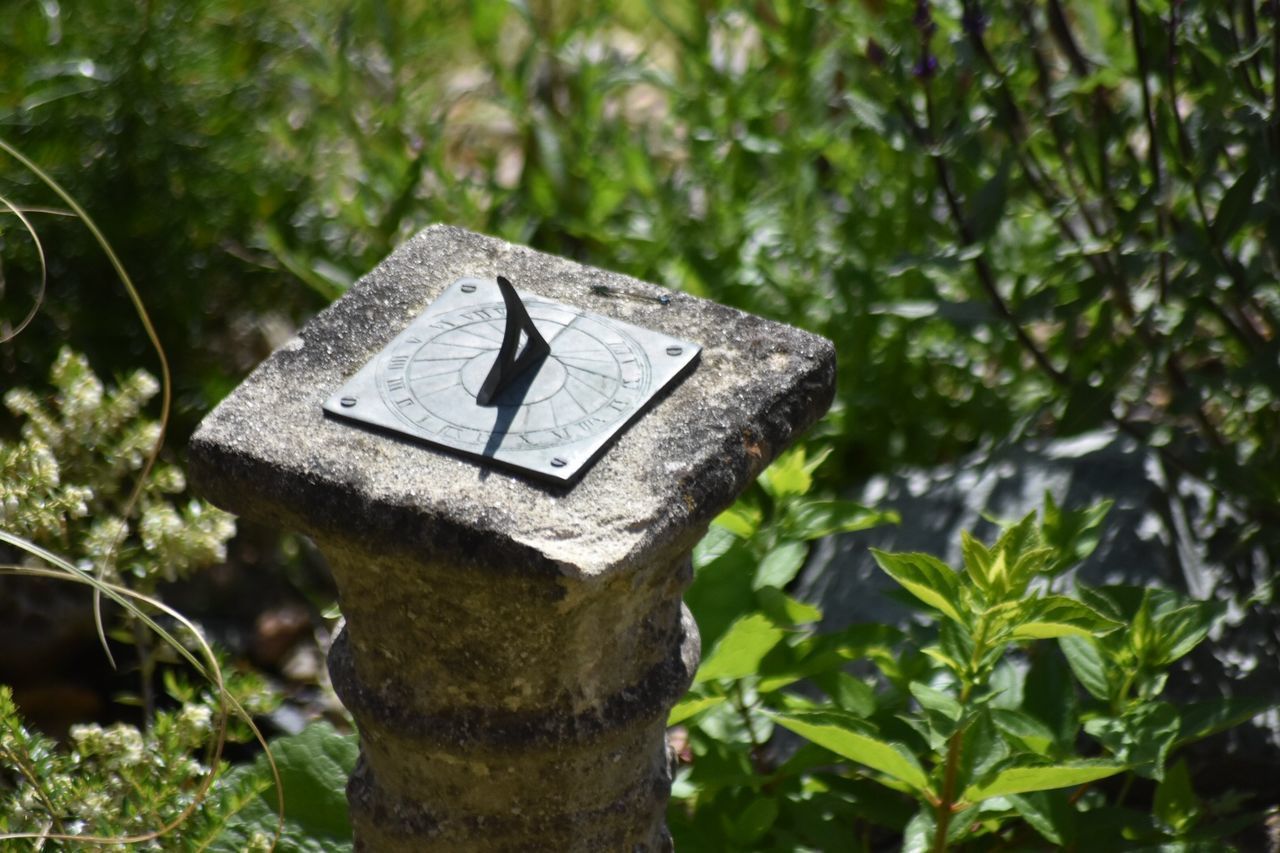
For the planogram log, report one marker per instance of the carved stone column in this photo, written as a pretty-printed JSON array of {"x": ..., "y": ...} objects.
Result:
[{"x": 511, "y": 648}]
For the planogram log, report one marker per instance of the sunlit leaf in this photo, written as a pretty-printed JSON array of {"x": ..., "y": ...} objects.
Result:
[
  {"x": 1020, "y": 780},
  {"x": 846, "y": 736},
  {"x": 741, "y": 648},
  {"x": 926, "y": 577}
]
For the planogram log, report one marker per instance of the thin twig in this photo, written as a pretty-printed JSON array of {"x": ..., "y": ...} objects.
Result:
[
  {"x": 1153, "y": 144},
  {"x": 33, "y": 779}
]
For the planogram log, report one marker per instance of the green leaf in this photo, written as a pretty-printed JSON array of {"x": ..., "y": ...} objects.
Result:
[
  {"x": 754, "y": 821},
  {"x": 1236, "y": 203},
  {"x": 785, "y": 610},
  {"x": 1201, "y": 719},
  {"x": 1141, "y": 738},
  {"x": 977, "y": 559},
  {"x": 721, "y": 591},
  {"x": 1021, "y": 780},
  {"x": 989, "y": 202},
  {"x": 487, "y": 17},
  {"x": 1028, "y": 731},
  {"x": 1073, "y": 534},
  {"x": 1018, "y": 538},
  {"x": 314, "y": 766},
  {"x": 780, "y": 566},
  {"x": 713, "y": 546},
  {"x": 813, "y": 519},
  {"x": 941, "y": 710},
  {"x": 791, "y": 474},
  {"x": 741, "y": 648},
  {"x": 1088, "y": 664},
  {"x": 918, "y": 836},
  {"x": 1179, "y": 631},
  {"x": 1053, "y": 616},
  {"x": 849, "y": 693},
  {"x": 926, "y": 577},
  {"x": 982, "y": 749},
  {"x": 848, "y": 737},
  {"x": 741, "y": 519},
  {"x": 691, "y": 705},
  {"x": 955, "y": 648},
  {"x": 1175, "y": 801},
  {"x": 1049, "y": 813},
  {"x": 1120, "y": 602}
]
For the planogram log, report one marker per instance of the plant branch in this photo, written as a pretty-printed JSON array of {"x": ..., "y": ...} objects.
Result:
[
  {"x": 985, "y": 274},
  {"x": 1153, "y": 144},
  {"x": 33, "y": 779},
  {"x": 1238, "y": 46}
]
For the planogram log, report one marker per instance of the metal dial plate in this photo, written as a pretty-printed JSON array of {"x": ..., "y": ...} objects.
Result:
[{"x": 552, "y": 421}]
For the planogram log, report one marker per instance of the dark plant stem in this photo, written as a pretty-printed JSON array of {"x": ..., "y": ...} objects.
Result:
[
  {"x": 1062, "y": 34},
  {"x": 985, "y": 274},
  {"x": 1153, "y": 143},
  {"x": 1024, "y": 152},
  {"x": 1053, "y": 197},
  {"x": 951, "y": 771},
  {"x": 1238, "y": 47},
  {"x": 986, "y": 277},
  {"x": 1251, "y": 33},
  {"x": 1275, "y": 79},
  {"x": 942, "y": 819},
  {"x": 1241, "y": 327},
  {"x": 146, "y": 669}
]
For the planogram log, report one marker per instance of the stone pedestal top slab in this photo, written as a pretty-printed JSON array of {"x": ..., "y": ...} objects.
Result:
[{"x": 269, "y": 452}]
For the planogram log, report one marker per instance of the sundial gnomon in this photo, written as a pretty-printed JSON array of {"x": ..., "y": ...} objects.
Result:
[{"x": 513, "y": 378}]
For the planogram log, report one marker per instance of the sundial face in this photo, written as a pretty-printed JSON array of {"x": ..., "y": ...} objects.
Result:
[{"x": 550, "y": 417}]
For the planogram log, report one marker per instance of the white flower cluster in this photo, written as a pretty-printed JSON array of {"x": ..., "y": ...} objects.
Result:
[{"x": 65, "y": 485}]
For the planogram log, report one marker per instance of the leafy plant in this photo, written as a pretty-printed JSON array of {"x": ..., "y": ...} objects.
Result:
[
  {"x": 118, "y": 782},
  {"x": 313, "y": 769},
  {"x": 66, "y": 482},
  {"x": 1098, "y": 170},
  {"x": 966, "y": 731},
  {"x": 65, "y": 486}
]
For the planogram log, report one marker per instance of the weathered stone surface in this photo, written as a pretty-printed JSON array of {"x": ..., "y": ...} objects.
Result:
[
  {"x": 511, "y": 648},
  {"x": 270, "y": 453}
]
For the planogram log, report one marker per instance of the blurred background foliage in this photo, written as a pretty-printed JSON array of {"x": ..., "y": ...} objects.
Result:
[{"x": 1014, "y": 219}]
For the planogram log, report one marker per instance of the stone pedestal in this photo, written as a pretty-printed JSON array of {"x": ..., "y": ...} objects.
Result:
[{"x": 511, "y": 648}]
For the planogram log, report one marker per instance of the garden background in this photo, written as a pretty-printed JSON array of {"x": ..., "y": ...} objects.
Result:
[{"x": 1018, "y": 222}]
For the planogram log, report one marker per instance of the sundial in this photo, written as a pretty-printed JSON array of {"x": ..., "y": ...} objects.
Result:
[{"x": 511, "y": 379}]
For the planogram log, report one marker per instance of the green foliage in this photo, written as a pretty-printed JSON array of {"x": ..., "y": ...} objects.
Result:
[
  {"x": 67, "y": 486},
  {"x": 314, "y": 766},
  {"x": 120, "y": 781},
  {"x": 1098, "y": 179},
  {"x": 1013, "y": 219},
  {"x": 66, "y": 483},
  {"x": 968, "y": 733}
]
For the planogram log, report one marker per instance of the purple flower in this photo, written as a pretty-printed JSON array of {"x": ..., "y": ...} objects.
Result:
[{"x": 926, "y": 67}]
